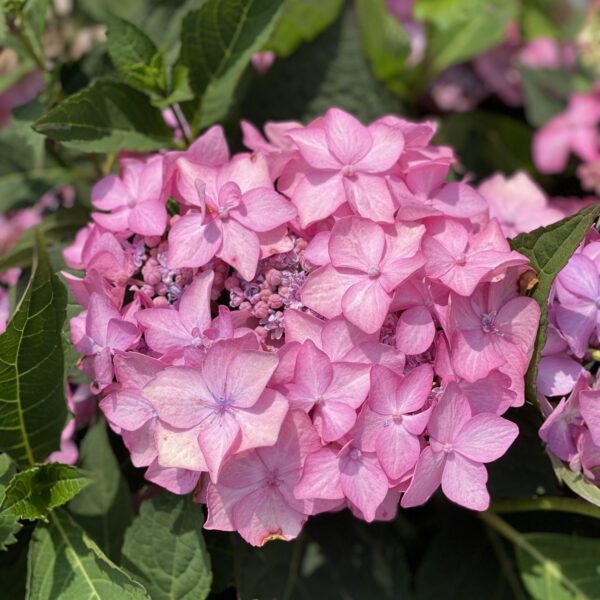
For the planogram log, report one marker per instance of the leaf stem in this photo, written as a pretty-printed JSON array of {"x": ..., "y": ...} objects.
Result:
[
  {"x": 569, "y": 505},
  {"x": 181, "y": 121}
]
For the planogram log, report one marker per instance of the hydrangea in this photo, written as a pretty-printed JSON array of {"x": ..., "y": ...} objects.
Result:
[{"x": 312, "y": 325}]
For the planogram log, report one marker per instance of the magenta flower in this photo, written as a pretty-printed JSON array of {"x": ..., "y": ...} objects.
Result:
[
  {"x": 333, "y": 391},
  {"x": 575, "y": 130},
  {"x": 577, "y": 313},
  {"x": 489, "y": 330},
  {"x": 390, "y": 423},
  {"x": 459, "y": 444},
  {"x": 367, "y": 264},
  {"x": 229, "y": 220},
  {"x": 226, "y": 397},
  {"x": 133, "y": 199},
  {"x": 345, "y": 162}
]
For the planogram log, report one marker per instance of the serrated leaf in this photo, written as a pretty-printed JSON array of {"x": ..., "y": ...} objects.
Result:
[
  {"x": 302, "y": 21},
  {"x": 103, "y": 509},
  {"x": 549, "y": 249},
  {"x": 135, "y": 55},
  {"x": 33, "y": 407},
  {"x": 106, "y": 116},
  {"x": 559, "y": 567},
  {"x": 165, "y": 550},
  {"x": 180, "y": 88},
  {"x": 9, "y": 525},
  {"x": 33, "y": 493},
  {"x": 63, "y": 223},
  {"x": 65, "y": 563},
  {"x": 385, "y": 42},
  {"x": 331, "y": 71},
  {"x": 24, "y": 176},
  {"x": 217, "y": 43}
]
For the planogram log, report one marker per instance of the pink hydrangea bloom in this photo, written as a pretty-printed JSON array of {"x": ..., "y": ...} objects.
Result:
[
  {"x": 575, "y": 130},
  {"x": 459, "y": 445}
]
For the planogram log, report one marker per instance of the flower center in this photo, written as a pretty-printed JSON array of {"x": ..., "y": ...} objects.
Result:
[
  {"x": 355, "y": 454},
  {"x": 461, "y": 260},
  {"x": 374, "y": 272},
  {"x": 348, "y": 170},
  {"x": 488, "y": 324}
]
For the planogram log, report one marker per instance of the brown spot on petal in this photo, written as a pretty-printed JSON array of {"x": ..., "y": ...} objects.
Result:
[{"x": 272, "y": 537}]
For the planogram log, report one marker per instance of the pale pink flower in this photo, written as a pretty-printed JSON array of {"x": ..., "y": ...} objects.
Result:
[
  {"x": 133, "y": 199},
  {"x": 459, "y": 444},
  {"x": 345, "y": 162},
  {"x": 518, "y": 203},
  {"x": 575, "y": 130},
  {"x": 368, "y": 262},
  {"x": 226, "y": 397}
]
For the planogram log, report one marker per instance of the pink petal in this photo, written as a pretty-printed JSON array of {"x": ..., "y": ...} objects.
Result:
[
  {"x": 382, "y": 395},
  {"x": 348, "y": 139},
  {"x": 333, "y": 419},
  {"x": 314, "y": 148},
  {"x": 388, "y": 144},
  {"x": 240, "y": 249},
  {"x": 179, "y": 448},
  {"x": 178, "y": 481},
  {"x": 426, "y": 479},
  {"x": 557, "y": 375},
  {"x": 261, "y": 423},
  {"x": 464, "y": 482},
  {"x": 247, "y": 376},
  {"x": 449, "y": 415},
  {"x": 194, "y": 306},
  {"x": 415, "y": 331},
  {"x": 366, "y": 305},
  {"x": 414, "y": 389},
  {"x": 356, "y": 244},
  {"x": 148, "y": 218},
  {"x": 192, "y": 244},
  {"x": 370, "y": 197},
  {"x": 589, "y": 404},
  {"x": 219, "y": 437},
  {"x": 473, "y": 355},
  {"x": 163, "y": 330},
  {"x": 485, "y": 437},
  {"x": 397, "y": 450},
  {"x": 263, "y": 209},
  {"x": 320, "y": 476},
  {"x": 127, "y": 409},
  {"x": 459, "y": 200},
  {"x": 318, "y": 195},
  {"x": 313, "y": 371}
]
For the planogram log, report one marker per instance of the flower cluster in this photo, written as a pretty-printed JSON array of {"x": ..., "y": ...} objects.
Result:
[
  {"x": 323, "y": 322},
  {"x": 572, "y": 427}
]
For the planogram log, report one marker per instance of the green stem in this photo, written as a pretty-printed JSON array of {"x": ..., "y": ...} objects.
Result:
[
  {"x": 506, "y": 564},
  {"x": 569, "y": 505},
  {"x": 181, "y": 121}
]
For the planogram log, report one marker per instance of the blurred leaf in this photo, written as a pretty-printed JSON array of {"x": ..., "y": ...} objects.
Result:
[
  {"x": 9, "y": 524},
  {"x": 31, "y": 494},
  {"x": 487, "y": 142},
  {"x": 65, "y": 222},
  {"x": 165, "y": 550},
  {"x": 331, "y": 71},
  {"x": 217, "y": 43},
  {"x": 549, "y": 249},
  {"x": 559, "y": 567},
  {"x": 107, "y": 116},
  {"x": 179, "y": 86},
  {"x": 385, "y": 42},
  {"x": 460, "y": 563},
  {"x": 65, "y": 563},
  {"x": 135, "y": 55},
  {"x": 462, "y": 29},
  {"x": 546, "y": 93},
  {"x": 24, "y": 177},
  {"x": 33, "y": 407},
  {"x": 302, "y": 21},
  {"x": 103, "y": 509}
]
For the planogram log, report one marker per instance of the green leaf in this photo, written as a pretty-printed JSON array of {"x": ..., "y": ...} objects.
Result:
[
  {"x": 33, "y": 407},
  {"x": 549, "y": 249},
  {"x": 65, "y": 563},
  {"x": 103, "y": 509},
  {"x": 560, "y": 567},
  {"x": 63, "y": 223},
  {"x": 25, "y": 174},
  {"x": 9, "y": 525},
  {"x": 463, "y": 29},
  {"x": 164, "y": 549},
  {"x": 545, "y": 93},
  {"x": 106, "y": 116},
  {"x": 331, "y": 71},
  {"x": 136, "y": 56},
  {"x": 31, "y": 494},
  {"x": 180, "y": 88},
  {"x": 576, "y": 482},
  {"x": 385, "y": 42},
  {"x": 302, "y": 21},
  {"x": 217, "y": 43}
]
